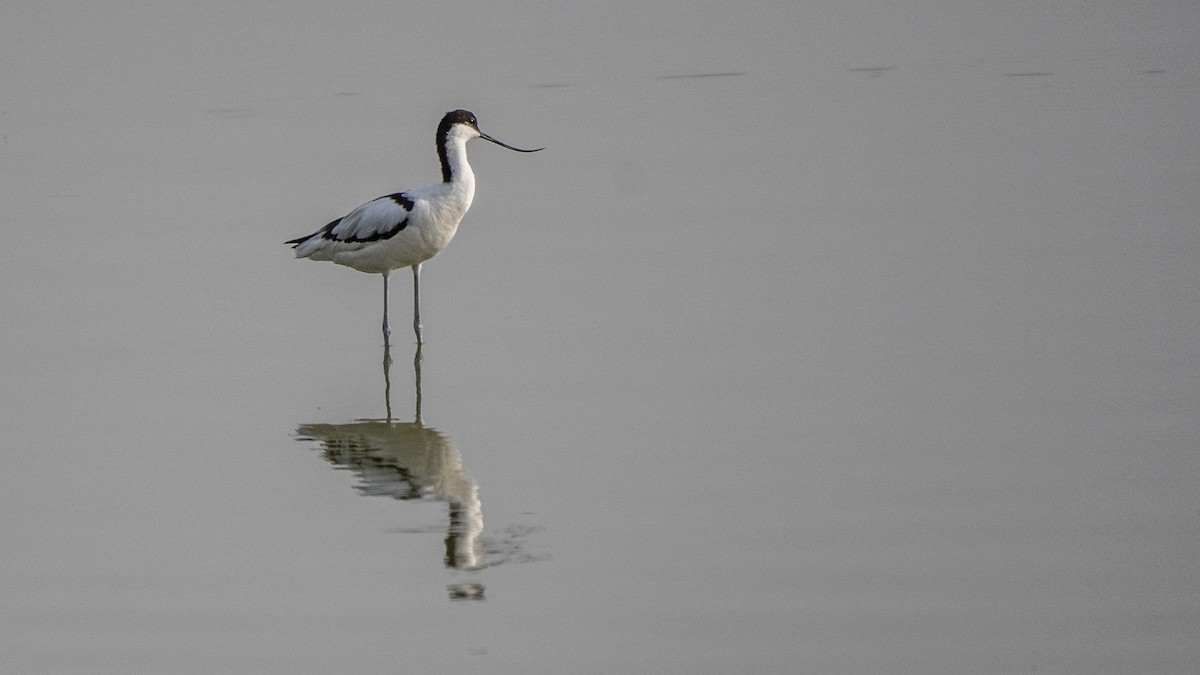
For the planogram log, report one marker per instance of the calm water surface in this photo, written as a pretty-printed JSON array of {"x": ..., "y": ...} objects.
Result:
[{"x": 827, "y": 339}]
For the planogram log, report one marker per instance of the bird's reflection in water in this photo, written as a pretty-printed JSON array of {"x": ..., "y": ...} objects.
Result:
[{"x": 408, "y": 460}]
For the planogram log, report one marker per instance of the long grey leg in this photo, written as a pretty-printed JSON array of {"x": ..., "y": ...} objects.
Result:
[
  {"x": 387, "y": 380},
  {"x": 417, "y": 302},
  {"x": 387, "y": 332},
  {"x": 417, "y": 380}
]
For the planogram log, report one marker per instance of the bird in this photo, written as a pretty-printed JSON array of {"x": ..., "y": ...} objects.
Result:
[{"x": 405, "y": 229}]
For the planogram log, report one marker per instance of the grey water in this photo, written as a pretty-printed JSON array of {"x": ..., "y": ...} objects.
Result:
[{"x": 822, "y": 338}]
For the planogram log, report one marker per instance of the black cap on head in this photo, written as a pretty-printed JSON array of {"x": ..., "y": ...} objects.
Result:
[{"x": 457, "y": 117}]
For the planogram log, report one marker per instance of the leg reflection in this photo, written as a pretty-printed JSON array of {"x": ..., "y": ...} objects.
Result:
[{"x": 387, "y": 382}]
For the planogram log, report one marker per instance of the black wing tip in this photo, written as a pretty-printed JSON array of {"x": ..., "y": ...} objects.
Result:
[{"x": 326, "y": 232}]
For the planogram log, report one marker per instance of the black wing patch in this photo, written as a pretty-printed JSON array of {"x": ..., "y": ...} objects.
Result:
[
  {"x": 327, "y": 232},
  {"x": 402, "y": 200}
]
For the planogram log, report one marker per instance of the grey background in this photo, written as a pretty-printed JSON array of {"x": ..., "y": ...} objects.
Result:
[{"x": 824, "y": 337}]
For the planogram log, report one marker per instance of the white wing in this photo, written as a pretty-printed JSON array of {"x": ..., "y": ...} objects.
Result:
[{"x": 378, "y": 219}]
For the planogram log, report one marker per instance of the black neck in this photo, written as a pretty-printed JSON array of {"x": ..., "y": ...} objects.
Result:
[{"x": 442, "y": 138}]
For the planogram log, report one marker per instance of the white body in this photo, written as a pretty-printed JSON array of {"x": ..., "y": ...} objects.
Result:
[
  {"x": 430, "y": 223},
  {"x": 406, "y": 228}
]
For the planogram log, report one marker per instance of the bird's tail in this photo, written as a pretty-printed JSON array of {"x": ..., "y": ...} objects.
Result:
[{"x": 307, "y": 245}]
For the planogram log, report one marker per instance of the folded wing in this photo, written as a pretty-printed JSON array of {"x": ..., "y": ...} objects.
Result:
[{"x": 378, "y": 219}]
